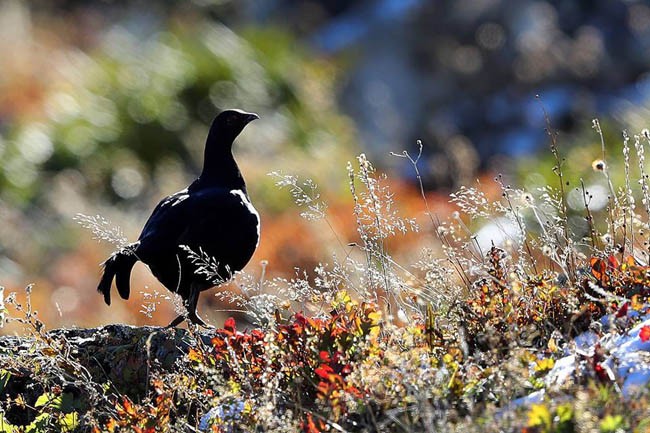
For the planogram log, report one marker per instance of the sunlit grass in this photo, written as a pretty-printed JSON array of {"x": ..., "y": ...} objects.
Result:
[{"x": 507, "y": 320}]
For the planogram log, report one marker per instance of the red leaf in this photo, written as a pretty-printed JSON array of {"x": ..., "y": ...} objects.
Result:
[
  {"x": 644, "y": 333},
  {"x": 300, "y": 318},
  {"x": 613, "y": 262},
  {"x": 601, "y": 372},
  {"x": 324, "y": 371},
  {"x": 623, "y": 310},
  {"x": 323, "y": 388},
  {"x": 128, "y": 407},
  {"x": 229, "y": 324},
  {"x": 311, "y": 426},
  {"x": 324, "y": 356}
]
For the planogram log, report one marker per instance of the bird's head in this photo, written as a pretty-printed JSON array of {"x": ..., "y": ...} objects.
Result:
[{"x": 229, "y": 123}]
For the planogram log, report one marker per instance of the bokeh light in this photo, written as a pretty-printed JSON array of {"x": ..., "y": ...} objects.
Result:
[{"x": 104, "y": 108}]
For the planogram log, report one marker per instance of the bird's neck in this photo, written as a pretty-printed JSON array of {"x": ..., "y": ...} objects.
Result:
[{"x": 220, "y": 169}]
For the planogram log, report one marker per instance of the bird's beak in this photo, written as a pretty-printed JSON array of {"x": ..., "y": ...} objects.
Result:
[{"x": 252, "y": 116}]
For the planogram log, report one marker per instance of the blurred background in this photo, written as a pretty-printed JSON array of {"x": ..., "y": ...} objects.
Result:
[{"x": 105, "y": 106}]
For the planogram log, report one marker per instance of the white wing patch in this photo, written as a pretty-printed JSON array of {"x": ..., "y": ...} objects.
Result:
[
  {"x": 180, "y": 196},
  {"x": 246, "y": 202}
]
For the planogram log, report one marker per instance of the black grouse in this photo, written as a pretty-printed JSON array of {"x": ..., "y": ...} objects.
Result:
[{"x": 197, "y": 238}]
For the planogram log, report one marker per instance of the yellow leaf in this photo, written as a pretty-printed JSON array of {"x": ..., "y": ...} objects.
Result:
[
  {"x": 553, "y": 346},
  {"x": 69, "y": 421},
  {"x": 527, "y": 357},
  {"x": 343, "y": 299},
  {"x": 195, "y": 355},
  {"x": 564, "y": 412},
  {"x": 637, "y": 304},
  {"x": 544, "y": 365},
  {"x": 6, "y": 427},
  {"x": 539, "y": 416},
  {"x": 375, "y": 317},
  {"x": 235, "y": 387}
]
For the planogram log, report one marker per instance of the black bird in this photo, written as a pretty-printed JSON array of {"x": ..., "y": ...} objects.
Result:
[{"x": 197, "y": 238}]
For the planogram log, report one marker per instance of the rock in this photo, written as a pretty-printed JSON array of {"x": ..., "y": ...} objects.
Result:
[{"x": 121, "y": 355}]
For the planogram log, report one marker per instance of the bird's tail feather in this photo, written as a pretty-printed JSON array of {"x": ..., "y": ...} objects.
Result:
[{"x": 117, "y": 266}]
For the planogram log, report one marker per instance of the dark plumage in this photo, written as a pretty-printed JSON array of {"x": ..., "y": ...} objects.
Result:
[{"x": 211, "y": 219}]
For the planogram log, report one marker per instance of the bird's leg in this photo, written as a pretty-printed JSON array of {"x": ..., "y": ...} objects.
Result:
[
  {"x": 175, "y": 322},
  {"x": 192, "y": 302},
  {"x": 194, "y": 318},
  {"x": 190, "y": 307},
  {"x": 191, "y": 315}
]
